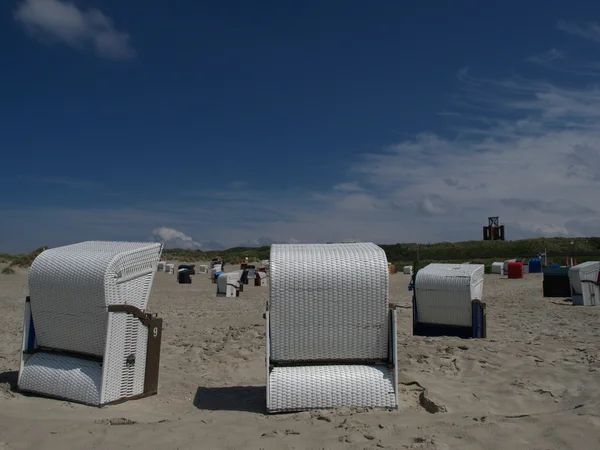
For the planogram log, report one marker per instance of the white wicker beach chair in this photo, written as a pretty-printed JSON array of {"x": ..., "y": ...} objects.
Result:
[
  {"x": 584, "y": 284},
  {"x": 331, "y": 334},
  {"x": 249, "y": 274},
  {"x": 498, "y": 268},
  {"x": 87, "y": 337},
  {"x": 261, "y": 279},
  {"x": 170, "y": 268},
  {"x": 228, "y": 284},
  {"x": 213, "y": 272},
  {"x": 447, "y": 301}
]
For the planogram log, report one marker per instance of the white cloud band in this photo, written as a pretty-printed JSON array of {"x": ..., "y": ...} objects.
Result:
[{"x": 62, "y": 21}]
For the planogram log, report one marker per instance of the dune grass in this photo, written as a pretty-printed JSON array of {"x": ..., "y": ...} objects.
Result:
[
  {"x": 479, "y": 252},
  {"x": 233, "y": 255},
  {"x": 8, "y": 258},
  {"x": 26, "y": 259},
  {"x": 23, "y": 261},
  {"x": 486, "y": 252}
]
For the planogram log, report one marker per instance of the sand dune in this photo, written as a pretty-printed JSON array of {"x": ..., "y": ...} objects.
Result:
[{"x": 533, "y": 384}]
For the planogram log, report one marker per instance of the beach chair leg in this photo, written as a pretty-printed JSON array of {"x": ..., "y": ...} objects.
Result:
[{"x": 479, "y": 319}]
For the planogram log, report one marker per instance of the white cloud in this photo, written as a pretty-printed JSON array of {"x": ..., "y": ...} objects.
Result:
[
  {"x": 264, "y": 241},
  {"x": 175, "y": 238},
  {"x": 589, "y": 31},
  {"x": 237, "y": 184},
  {"x": 546, "y": 229},
  {"x": 547, "y": 57},
  {"x": 537, "y": 147},
  {"x": 73, "y": 183},
  {"x": 348, "y": 187},
  {"x": 433, "y": 205},
  {"x": 62, "y": 21},
  {"x": 525, "y": 150}
]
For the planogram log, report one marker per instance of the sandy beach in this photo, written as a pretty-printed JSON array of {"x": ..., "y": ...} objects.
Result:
[{"x": 533, "y": 384}]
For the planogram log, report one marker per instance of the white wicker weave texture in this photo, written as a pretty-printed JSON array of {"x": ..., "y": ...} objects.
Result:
[
  {"x": 585, "y": 294},
  {"x": 584, "y": 271},
  {"x": 322, "y": 308},
  {"x": 498, "y": 268},
  {"x": 63, "y": 377},
  {"x": 227, "y": 284},
  {"x": 444, "y": 293},
  {"x": 310, "y": 387},
  {"x": 263, "y": 278},
  {"x": 72, "y": 286},
  {"x": 128, "y": 336}
]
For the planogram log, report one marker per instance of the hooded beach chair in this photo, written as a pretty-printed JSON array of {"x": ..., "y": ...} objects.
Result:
[
  {"x": 184, "y": 276},
  {"x": 87, "y": 336},
  {"x": 228, "y": 284},
  {"x": 535, "y": 265},
  {"x": 331, "y": 334},
  {"x": 583, "y": 279},
  {"x": 447, "y": 301},
  {"x": 497, "y": 268},
  {"x": 261, "y": 279},
  {"x": 215, "y": 271},
  {"x": 250, "y": 273},
  {"x": 556, "y": 282}
]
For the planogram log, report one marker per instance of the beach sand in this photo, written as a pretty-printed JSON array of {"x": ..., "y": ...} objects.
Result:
[{"x": 533, "y": 384}]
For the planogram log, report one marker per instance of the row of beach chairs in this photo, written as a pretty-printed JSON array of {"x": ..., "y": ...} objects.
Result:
[
  {"x": 230, "y": 284},
  {"x": 331, "y": 335}
]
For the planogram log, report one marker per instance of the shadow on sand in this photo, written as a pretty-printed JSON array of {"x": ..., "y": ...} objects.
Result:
[
  {"x": 235, "y": 398},
  {"x": 10, "y": 378}
]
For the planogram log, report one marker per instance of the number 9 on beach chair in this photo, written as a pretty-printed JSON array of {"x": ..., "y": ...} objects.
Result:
[
  {"x": 87, "y": 337},
  {"x": 331, "y": 334},
  {"x": 447, "y": 301}
]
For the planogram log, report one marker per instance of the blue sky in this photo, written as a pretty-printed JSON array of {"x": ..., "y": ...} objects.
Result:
[{"x": 210, "y": 124}]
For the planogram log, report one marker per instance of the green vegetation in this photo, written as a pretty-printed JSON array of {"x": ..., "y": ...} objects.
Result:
[
  {"x": 479, "y": 252},
  {"x": 19, "y": 260},
  {"x": 484, "y": 250},
  {"x": 233, "y": 255},
  {"x": 8, "y": 258},
  {"x": 27, "y": 259},
  {"x": 8, "y": 270}
]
